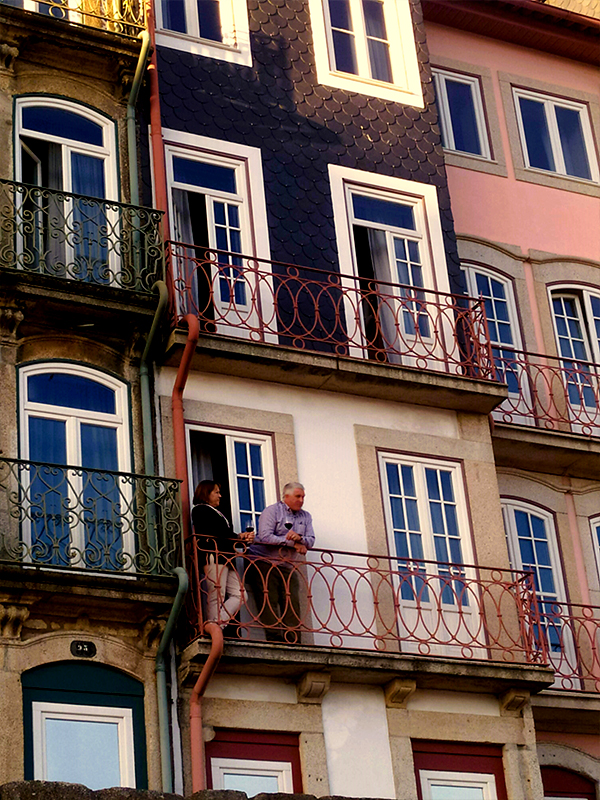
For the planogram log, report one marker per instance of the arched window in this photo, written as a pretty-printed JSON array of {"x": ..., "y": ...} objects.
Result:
[
  {"x": 76, "y": 416},
  {"x": 84, "y": 723}
]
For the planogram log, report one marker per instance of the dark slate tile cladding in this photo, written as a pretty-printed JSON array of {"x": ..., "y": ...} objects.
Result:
[{"x": 302, "y": 126}]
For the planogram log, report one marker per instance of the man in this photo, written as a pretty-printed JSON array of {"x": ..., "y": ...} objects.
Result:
[{"x": 285, "y": 533}]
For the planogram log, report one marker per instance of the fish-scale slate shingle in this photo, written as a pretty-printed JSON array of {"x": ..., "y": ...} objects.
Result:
[{"x": 301, "y": 127}]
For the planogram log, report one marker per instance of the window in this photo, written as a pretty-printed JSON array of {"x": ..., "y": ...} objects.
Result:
[
  {"x": 213, "y": 28},
  {"x": 253, "y": 762},
  {"x": 595, "y": 526},
  {"x": 367, "y": 46},
  {"x": 65, "y": 735},
  {"x": 533, "y": 547},
  {"x": 84, "y": 723},
  {"x": 242, "y": 463},
  {"x": 501, "y": 312},
  {"x": 457, "y": 786},
  {"x": 212, "y": 193},
  {"x": 73, "y": 415},
  {"x": 556, "y": 135},
  {"x": 458, "y": 771},
  {"x": 388, "y": 230},
  {"x": 461, "y": 113},
  {"x": 576, "y": 315}
]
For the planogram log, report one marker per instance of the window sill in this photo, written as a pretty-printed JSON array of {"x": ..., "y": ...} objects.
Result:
[
  {"x": 371, "y": 88},
  {"x": 555, "y": 181},
  {"x": 454, "y": 158},
  {"x": 205, "y": 47}
]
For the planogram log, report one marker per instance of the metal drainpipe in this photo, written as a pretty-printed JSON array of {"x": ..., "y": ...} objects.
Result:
[
  {"x": 196, "y": 739},
  {"x": 134, "y": 183},
  {"x": 161, "y": 682}
]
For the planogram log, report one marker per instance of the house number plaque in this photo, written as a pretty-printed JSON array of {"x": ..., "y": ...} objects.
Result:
[{"x": 83, "y": 649}]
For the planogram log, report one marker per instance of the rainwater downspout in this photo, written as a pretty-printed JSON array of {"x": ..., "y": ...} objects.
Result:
[
  {"x": 196, "y": 738},
  {"x": 134, "y": 181},
  {"x": 161, "y": 682}
]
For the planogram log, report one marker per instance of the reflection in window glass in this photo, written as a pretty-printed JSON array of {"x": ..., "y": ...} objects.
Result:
[
  {"x": 457, "y": 793},
  {"x": 69, "y": 744},
  {"x": 251, "y": 784}
]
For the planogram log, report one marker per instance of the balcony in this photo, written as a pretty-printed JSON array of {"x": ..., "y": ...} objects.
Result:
[
  {"x": 88, "y": 520},
  {"x": 80, "y": 239},
  {"x": 124, "y": 17},
  {"x": 390, "y": 606},
  {"x": 572, "y": 633},
  {"x": 312, "y": 310}
]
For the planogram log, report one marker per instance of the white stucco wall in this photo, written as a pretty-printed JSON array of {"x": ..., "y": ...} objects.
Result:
[{"x": 359, "y": 761}]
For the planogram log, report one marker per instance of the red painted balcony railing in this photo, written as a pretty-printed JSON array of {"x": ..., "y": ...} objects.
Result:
[
  {"x": 357, "y": 601},
  {"x": 548, "y": 392},
  {"x": 310, "y": 309},
  {"x": 572, "y": 633}
]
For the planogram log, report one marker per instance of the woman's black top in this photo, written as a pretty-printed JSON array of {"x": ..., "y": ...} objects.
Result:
[{"x": 213, "y": 533}]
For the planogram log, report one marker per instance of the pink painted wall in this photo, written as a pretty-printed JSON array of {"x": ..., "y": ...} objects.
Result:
[
  {"x": 504, "y": 209},
  {"x": 582, "y": 741}
]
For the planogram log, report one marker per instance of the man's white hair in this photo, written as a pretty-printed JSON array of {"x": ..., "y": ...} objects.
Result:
[{"x": 289, "y": 487}]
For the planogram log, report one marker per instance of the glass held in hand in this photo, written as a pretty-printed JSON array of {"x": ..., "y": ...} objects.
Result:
[
  {"x": 288, "y": 525},
  {"x": 249, "y": 528}
]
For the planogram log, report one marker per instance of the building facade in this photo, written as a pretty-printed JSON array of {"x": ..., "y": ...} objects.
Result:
[{"x": 372, "y": 270}]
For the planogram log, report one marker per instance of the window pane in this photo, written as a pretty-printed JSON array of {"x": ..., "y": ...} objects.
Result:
[
  {"x": 99, "y": 447},
  {"x": 462, "y": 114},
  {"x": 173, "y": 13},
  {"x": 374, "y": 19},
  {"x": 345, "y": 55},
  {"x": 457, "y": 793},
  {"x": 537, "y": 136},
  {"x": 70, "y": 391},
  {"x": 384, "y": 212},
  {"x": 379, "y": 57},
  {"x": 209, "y": 19},
  {"x": 87, "y": 177},
  {"x": 572, "y": 141},
  {"x": 251, "y": 784},
  {"x": 63, "y": 123},
  {"x": 209, "y": 176},
  {"x": 339, "y": 13},
  {"x": 83, "y": 751},
  {"x": 47, "y": 440}
]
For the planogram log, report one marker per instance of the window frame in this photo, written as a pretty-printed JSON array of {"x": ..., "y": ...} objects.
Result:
[
  {"x": 231, "y": 435},
  {"x": 508, "y": 82},
  {"x": 280, "y": 769},
  {"x": 121, "y": 420},
  {"x": 108, "y": 152},
  {"x": 455, "y": 467},
  {"x": 551, "y": 102},
  {"x": 595, "y": 530},
  {"x": 42, "y": 710},
  {"x": 582, "y": 294},
  {"x": 440, "y": 76},
  {"x": 235, "y": 47},
  {"x": 464, "y": 758},
  {"x": 423, "y": 197},
  {"x": 406, "y": 86},
  {"x": 478, "y": 780}
]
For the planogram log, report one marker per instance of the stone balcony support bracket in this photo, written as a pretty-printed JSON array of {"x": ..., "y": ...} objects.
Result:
[
  {"x": 313, "y": 686},
  {"x": 398, "y": 692}
]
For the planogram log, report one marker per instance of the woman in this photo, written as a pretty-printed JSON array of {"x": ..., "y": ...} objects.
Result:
[{"x": 216, "y": 540}]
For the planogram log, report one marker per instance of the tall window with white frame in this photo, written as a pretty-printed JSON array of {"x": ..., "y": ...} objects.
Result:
[
  {"x": 70, "y": 150},
  {"x": 75, "y": 427},
  {"x": 576, "y": 315},
  {"x": 462, "y": 114},
  {"x": 242, "y": 463},
  {"x": 367, "y": 46},
  {"x": 595, "y": 530},
  {"x": 556, "y": 135}
]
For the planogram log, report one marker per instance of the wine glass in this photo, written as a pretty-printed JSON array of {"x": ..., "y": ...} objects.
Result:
[{"x": 288, "y": 525}]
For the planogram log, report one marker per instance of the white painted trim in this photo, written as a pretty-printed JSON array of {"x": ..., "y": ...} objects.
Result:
[
  {"x": 550, "y": 104},
  {"x": 440, "y": 76},
  {"x": 282, "y": 770},
  {"x": 231, "y": 436},
  {"x": 235, "y": 47},
  {"x": 107, "y": 151},
  {"x": 41, "y": 711},
  {"x": 406, "y": 87},
  {"x": 476, "y": 780},
  {"x": 422, "y": 196}
]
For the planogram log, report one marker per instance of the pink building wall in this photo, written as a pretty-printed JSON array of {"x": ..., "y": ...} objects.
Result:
[{"x": 504, "y": 209}]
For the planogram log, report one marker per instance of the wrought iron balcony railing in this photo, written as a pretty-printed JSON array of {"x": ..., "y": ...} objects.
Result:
[
  {"x": 78, "y": 238},
  {"x": 311, "y": 309},
  {"x": 88, "y": 519},
  {"x": 125, "y": 17},
  {"x": 572, "y": 633},
  {"x": 358, "y": 601},
  {"x": 547, "y": 392}
]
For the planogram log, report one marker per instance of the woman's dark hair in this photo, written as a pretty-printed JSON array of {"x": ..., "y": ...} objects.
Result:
[{"x": 204, "y": 490}]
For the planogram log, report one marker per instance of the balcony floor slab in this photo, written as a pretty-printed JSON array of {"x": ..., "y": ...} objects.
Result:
[
  {"x": 333, "y": 373},
  {"x": 366, "y": 667}
]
